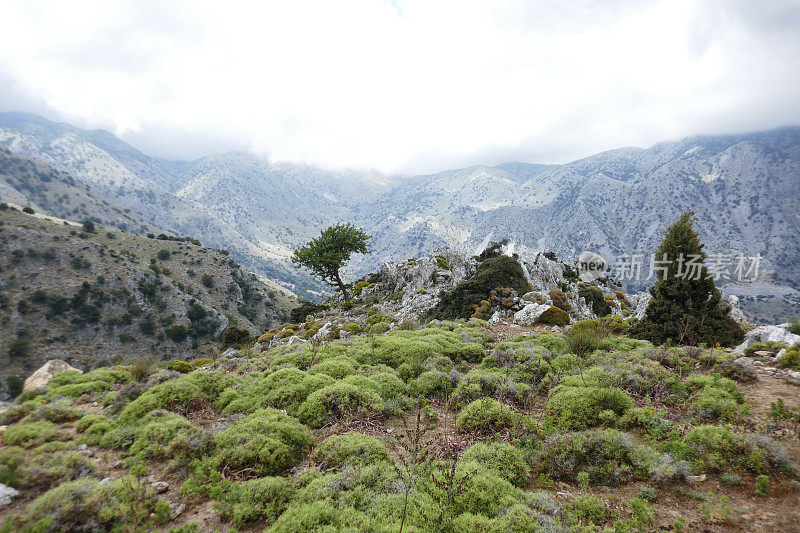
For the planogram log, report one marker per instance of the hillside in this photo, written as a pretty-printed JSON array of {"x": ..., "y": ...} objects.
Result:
[
  {"x": 29, "y": 182},
  {"x": 743, "y": 188},
  {"x": 94, "y": 297},
  {"x": 364, "y": 416}
]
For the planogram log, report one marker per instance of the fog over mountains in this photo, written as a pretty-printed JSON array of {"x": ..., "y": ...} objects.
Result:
[{"x": 745, "y": 190}]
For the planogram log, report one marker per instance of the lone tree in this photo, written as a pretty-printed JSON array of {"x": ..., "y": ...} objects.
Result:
[
  {"x": 686, "y": 306},
  {"x": 325, "y": 255}
]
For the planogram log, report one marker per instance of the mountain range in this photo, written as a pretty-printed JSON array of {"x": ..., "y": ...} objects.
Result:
[{"x": 744, "y": 189}]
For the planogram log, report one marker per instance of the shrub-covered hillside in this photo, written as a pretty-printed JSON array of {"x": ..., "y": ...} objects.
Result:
[
  {"x": 445, "y": 426},
  {"x": 91, "y": 295}
]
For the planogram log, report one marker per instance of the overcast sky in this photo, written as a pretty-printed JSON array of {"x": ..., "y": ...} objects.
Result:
[{"x": 403, "y": 86}]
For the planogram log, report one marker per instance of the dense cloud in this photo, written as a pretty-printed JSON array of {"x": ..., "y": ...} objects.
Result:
[{"x": 403, "y": 86}]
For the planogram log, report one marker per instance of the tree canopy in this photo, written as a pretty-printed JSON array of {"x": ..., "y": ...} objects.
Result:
[
  {"x": 686, "y": 306},
  {"x": 327, "y": 254}
]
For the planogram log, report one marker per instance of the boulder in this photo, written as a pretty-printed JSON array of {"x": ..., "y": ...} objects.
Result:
[
  {"x": 744, "y": 369},
  {"x": 7, "y": 494},
  {"x": 529, "y": 315},
  {"x": 641, "y": 305},
  {"x": 735, "y": 313},
  {"x": 766, "y": 334},
  {"x": 792, "y": 376},
  {"x": 230, "y": 353},
  {"x": 40, "y": 378}
]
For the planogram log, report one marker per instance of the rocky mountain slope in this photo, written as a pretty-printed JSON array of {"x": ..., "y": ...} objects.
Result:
[
  {"x": 87, "y": 297},
  {"x": 744, "y": 189},
  {"x": 30, "y": 182}
]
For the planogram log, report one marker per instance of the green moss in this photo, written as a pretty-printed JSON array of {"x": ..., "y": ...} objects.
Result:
[{"x": 350, "y": 449}]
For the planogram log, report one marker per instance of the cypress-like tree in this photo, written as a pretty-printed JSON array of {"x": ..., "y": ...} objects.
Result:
[{"x": 686, "y": 306}]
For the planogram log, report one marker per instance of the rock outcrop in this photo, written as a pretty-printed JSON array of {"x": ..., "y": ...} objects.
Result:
[
  {"x": 766, "y": 334},
  {"x": 42, "y": 377}
]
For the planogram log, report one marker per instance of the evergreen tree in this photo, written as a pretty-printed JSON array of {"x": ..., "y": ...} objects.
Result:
[
  {"x": 686, "y": 307},
  {"x": 327, "y": 254}
]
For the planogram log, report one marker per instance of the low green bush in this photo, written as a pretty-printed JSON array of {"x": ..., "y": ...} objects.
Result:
[
  {"x": 717, "y": 448},
  {"x": 607, "y": 456},
  {"x": 554, "y": 316},
  {"x": 71, "y": 506},
  {"x": 488, "y": 416},
  {"x": 260, "y": 499},
  {"x": 265, "y": 443},
  {"x": 580, "y": 407},
  {"x": 350, "y": 449},
  {"x": 504, "y": 459},
  {"x": 339, "y": 401},
  {"x": 31, "y": 433}
]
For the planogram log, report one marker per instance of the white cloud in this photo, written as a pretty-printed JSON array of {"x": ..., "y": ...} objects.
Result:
[{"x": 405, "y": 86}]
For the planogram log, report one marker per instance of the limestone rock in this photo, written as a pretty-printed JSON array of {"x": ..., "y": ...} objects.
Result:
[
  {"x": 230, "y": 353},
  {"x": 42, "y": 377},
  {"x": 766, "y": 334},
  {"x": 529, "y": 315},
  {"x": 643, "y": 301},
  {"x": 792, "y": 376},
  {"x": 7, "y": 494}
]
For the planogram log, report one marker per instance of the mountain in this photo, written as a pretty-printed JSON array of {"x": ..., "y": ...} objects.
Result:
[
  {"x": 86, "y": 297},
  {"x": 30, "y": 182},
  {"x": 745, "y": 190}
]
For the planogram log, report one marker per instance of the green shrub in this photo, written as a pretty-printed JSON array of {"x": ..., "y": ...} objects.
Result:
[
  {"x": 338, "y": 401},
  {"x": 431, "y": 383},
  {"x": 762, "y": 486},
  {"x": 488, "y": 416},
  {"x": 606, "y": 456},
  {"x": 580, "y": 407},
  {"x": 716, "y": 448},
  {"x": 71, "y": 506},
  {"x": 583, "y": 337},
  {"x": 588, "y": 509},
  {"x": 492, "y": 273},
  {"x": 350, "y": 449},
  {"x": 791, "y": 359},
  {"x": 337, "y": 368},
  {"x": 265, "y": 443},
  {"x": 554, "y": 316},
  {"x": 380, "y": 327},
  {"x": 286, "y": 388},
  {"x": 594, "y": 297},
  {"x": 264, "y": 498},
  {"x": 31, "y": 433},
  {"x": 504, "y": 459},
  {"x": 613, "y": 323},
  {"x": 734, "y": 480},
  {"x": 648, "y": 494},
  {"x": 194, "y": 390}
]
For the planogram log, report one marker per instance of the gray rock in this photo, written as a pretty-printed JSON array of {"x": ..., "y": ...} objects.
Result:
[
  {"x": 766, "y": 334},
  {"x": 643, "y": 300},
  {"x": 7, "y": 494},
  {"x": 177, "y": 511},
  {"x": 529, "y": 315},
  {"x": 294, "y": 339},
  {"x": 230, "y": 353},
  {"x": 160, "y": 486},
  {"x": 792, "y": 376}
]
